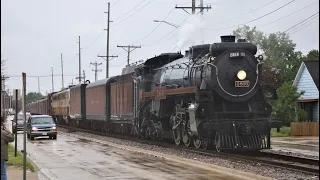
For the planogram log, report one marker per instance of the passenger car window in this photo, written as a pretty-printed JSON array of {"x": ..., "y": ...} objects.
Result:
[{"x": 42, "y": 120}]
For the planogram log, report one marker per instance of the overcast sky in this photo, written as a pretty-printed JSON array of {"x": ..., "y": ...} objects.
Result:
[{"x": 34, "y": 33}]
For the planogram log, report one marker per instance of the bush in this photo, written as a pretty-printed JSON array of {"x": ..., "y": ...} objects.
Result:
[{"x": 284, "y": 132}]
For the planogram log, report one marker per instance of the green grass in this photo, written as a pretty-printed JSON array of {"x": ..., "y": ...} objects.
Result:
[
  {"x": 284, "y": 132},
  {"x": 17, "y": 161}
]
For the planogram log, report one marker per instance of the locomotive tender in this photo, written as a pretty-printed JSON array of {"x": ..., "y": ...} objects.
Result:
[{"x": 213, "y": 95}]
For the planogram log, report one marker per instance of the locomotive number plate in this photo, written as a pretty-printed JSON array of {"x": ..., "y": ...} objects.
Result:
[{"x": 242, "y": 83}]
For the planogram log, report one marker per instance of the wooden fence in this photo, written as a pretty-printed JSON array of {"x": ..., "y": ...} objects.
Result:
[{"x": 304, "y": 128}]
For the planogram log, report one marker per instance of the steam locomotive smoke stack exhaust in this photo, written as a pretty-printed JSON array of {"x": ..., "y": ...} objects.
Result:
[{"x": 228, "y": 38}]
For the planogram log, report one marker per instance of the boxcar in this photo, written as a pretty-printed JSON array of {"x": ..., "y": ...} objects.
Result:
[
  {"x": 78, "y": 102},
  {"x": 122, "y": 99},
  {"x": 98, "y": 104}
]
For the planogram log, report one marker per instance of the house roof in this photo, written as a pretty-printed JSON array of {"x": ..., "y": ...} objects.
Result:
[{"x": 313, "y": 68}]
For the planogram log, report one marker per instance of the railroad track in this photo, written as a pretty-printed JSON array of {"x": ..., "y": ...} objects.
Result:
[{"x": 271, "y": 159}]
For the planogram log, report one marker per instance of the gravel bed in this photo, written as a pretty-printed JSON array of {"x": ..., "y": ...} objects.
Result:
[
  {"x": 308, "y": 156},
  {"x": 255, "y": 168}
]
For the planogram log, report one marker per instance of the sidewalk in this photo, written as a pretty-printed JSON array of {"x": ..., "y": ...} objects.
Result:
[{"x": 17, "y": 174}]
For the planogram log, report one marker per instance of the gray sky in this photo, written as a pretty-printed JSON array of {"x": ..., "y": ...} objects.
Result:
[{"x": 35, "y": 32}]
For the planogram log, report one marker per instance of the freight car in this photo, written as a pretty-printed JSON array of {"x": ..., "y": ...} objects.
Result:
[
  {"x": 42, "y": 106},
  {"x": 77, "y": 104},
  {"x": 213, "y": 95},
  {"x": 60, "y": 104}
]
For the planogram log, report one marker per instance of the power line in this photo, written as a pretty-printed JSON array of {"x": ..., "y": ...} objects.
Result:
[
  {"x": 157, "y": 25},
  {"x": 302, "y": 21},
  {"x": 96, "y": 70},
  {"x": 193, "y": 7},
  {"x": 55, "y": 75},
  {"x": 130, "y": 10},
  {"x": 289, "y": 14},
  {"x": 166, "y": 35},
  {"x": 257, "y": 17},
  {"x": 235, "y": 17},
  {"x": 134, "y": 13},
  {"x": 303, "y": 27},
  {"x": 98, "y": 37},
  {"x": 129, "y": 51}
]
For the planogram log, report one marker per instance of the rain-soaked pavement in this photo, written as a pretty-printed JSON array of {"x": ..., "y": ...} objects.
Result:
[
  {"x": 69, "y": 158},
  {"x": 302, "y": 145}
]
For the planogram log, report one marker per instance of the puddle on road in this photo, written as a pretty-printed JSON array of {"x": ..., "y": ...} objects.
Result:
[{"x": 84, "y": 140}]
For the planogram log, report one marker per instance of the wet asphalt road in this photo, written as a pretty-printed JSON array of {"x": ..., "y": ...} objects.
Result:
[{"x": 69, "y": 158}]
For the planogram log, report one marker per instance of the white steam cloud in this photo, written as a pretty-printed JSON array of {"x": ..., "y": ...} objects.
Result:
[{"x": 191, "y": 32}]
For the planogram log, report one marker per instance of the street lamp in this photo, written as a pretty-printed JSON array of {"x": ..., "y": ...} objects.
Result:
[{"x": 176, "y": 26}]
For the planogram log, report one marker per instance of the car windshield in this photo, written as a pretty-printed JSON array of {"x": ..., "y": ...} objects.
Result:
[{"x": 42, "y": 120}]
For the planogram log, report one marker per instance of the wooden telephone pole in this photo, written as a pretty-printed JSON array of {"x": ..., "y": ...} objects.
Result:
[{"x": 129, "y": 51}]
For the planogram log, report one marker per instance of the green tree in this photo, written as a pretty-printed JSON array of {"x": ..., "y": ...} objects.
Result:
[
  {"x": 312, "y": 55},
  {"x": 33, "y": 96},
  {"x": 285, "y": 107}
]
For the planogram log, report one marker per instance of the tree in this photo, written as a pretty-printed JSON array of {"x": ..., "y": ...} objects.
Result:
[
  {"x": 312, "y": 55},
  {"x": 285, "y": 107},
  {"x": 33, "y": 96}
]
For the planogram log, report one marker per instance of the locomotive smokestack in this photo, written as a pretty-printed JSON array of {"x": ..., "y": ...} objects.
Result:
[{"x": 228, "y": 38}]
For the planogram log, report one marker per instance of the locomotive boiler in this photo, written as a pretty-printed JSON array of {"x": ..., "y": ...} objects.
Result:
[{"x": 210, "y": 96}]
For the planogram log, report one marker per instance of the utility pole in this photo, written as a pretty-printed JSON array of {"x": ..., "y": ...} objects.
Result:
[
  {"x": 96, "y": 70},
  {"x": 16, "y": 96},
  {"x": 52, "y": 79},
  {"x": 129, "y": 50},
  {"x": 193, "y": 7},
  {"x": 79, "y": 61},
  {"x": 84, "y": 77},
  {"x": 62, "y": 70},
  {"x": 107, "y": 56},
  {"x": 107, "y": 62},
  {"x": 24, "y": 126},
  {"x": 202, "y": 34},
  {"x": 38, "y": 84},
  {"x": 193, "y": 10}
]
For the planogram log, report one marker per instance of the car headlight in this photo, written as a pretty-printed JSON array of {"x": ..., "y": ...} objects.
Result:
[
  {"x": 34, "y": 129},
  {"x": 53, "y": 128},
  {"x": 242, "y": 75}
]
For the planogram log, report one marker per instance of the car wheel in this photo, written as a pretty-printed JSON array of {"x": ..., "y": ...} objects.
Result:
[
  {"x": 31, "y": 137},
  {"x": 54, "y": 137},
  {"x": 28, "y": 136}
]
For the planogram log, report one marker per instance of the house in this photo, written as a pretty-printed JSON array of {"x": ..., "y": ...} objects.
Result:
[{"x": 307, "y": 80}]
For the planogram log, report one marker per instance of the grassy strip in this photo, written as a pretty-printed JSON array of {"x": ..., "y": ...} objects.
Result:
[
  {"x": 17, "y": 161},
  {"x": 284, "y": 132}
]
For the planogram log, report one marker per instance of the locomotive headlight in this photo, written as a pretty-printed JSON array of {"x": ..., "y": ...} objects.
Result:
[{"x": 242, "y": 75}]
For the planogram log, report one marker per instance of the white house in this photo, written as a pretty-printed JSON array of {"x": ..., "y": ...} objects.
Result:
[{"x": 307, "y": 80}]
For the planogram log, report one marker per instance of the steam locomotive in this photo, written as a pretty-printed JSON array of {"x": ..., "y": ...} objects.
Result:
[{"x": 212, "y": 96}]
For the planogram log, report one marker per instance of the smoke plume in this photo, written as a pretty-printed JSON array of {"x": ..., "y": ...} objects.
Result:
[{"x": 191, "y": 32}]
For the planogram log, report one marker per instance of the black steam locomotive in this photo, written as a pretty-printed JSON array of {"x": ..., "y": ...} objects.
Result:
[{"x": 211, "y": 96}]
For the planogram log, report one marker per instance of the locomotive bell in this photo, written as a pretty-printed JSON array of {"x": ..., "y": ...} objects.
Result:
[{"x": 242, "y": 75}]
